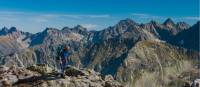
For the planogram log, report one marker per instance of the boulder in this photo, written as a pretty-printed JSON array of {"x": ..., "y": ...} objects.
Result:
[
  {"x": 110, "y": 82},
  {"x": 12, "y": 75},
  {"x": 109, "y": 78},
  {"x": 41, "y": 68},
  {"x": 73, "y": 71},
  {"x": 196, "y": 83}
]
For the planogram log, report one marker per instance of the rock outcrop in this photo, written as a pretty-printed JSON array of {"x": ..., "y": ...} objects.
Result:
[
  {"x": 43, "y": 76},
  {"x": 11, "y": 75}
]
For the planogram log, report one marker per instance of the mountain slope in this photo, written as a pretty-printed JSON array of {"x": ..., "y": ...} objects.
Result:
[
  {"x": 157, "y": 64},
  {"x": 13, "y": 40},
  {"x": 189, "y": 38}
]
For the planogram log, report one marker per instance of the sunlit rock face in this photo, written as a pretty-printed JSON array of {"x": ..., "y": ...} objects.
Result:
[{"x": 12, "y": 40}]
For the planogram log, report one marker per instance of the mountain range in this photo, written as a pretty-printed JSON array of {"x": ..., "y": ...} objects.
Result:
[{"x": 137, "y": 55}]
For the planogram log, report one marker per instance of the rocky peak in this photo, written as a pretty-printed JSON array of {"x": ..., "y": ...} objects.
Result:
[
  {"x": 77, "y": 28},
  {"x": 122, "y": 26},
  {"x": 127, "y": 22},
  {"x": 169, "y": 23},
  {"x": 50, "y": 31},
  {"x": 182, "y": 25},
  {"x": 152, "y": 23},
  {"x": 39, "y": 38},
  {"x": 13, "y": 29},
  {"x": 5, "y": 30},
  {"x": 195, "y": 27},
  {"x": 80, "y": 27},
  {"x": 198, "y": 23},
  {"x": 152, "y": 26},
  {"x": 65, "y": 28}
]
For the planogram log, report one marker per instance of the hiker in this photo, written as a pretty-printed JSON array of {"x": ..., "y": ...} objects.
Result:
[{"x": 64, "y": 58}]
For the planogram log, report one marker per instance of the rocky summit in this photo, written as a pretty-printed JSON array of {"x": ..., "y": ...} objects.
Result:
[
  {"x": 43, "y": 76},
  {"x": 127, "y": 54}
]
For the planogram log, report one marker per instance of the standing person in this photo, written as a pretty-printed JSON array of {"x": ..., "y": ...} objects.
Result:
[{"x": 64, "y": 59}]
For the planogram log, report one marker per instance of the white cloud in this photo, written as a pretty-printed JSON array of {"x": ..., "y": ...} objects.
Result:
[
  {"x": 11, "y": 13},
  {"x": 99, "y": 16},
  {"x": 72, "y": 16},
  {"x": 44, "y": 17},
  {"x": 192, "y": 18},
  {"x": 86, "y": 15},
  {"x": 39, "y": 20},
  {"x": 89, "y": 26},
  {"x": 147, "y": 16},
  {"x": 139, "y": 14},
  {"x": 76, "y": 16},
  {"x": 50, "y": 17},
  {"x": 8, "y": 19},
  {"x": 47, "y": 17},
  {"x": 35, "y": 21}
]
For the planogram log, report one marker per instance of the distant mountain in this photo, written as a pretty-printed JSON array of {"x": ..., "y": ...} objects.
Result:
[
  {"x": 12, "y": 40},
  {"x": 169, "y": 23},
  {"x": 132, "y": 53},
  {"x": 175, "y": 28},
  {"x": 5, "y": 31},
  {"x": 189, "y": 38}
]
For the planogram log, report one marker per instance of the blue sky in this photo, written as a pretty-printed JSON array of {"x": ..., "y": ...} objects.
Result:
[{"x": 35, "y": 15}]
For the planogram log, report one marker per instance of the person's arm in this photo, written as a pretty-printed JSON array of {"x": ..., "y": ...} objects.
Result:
[
  {"x": 60, "y": 56},
  {"x": 68, "y": 57}
]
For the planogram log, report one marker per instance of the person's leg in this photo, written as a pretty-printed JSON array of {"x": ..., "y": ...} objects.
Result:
[
  {"x": 63, "y": 68},
  {"x": 69, "y": 62}
]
